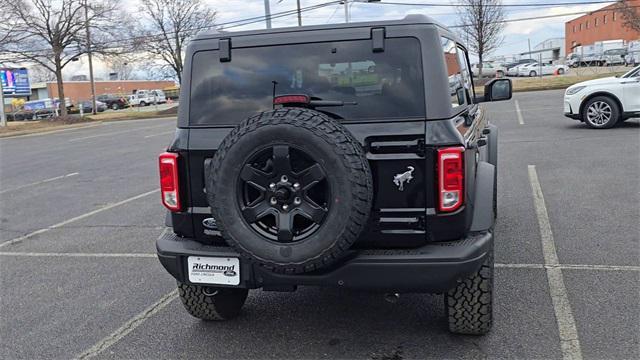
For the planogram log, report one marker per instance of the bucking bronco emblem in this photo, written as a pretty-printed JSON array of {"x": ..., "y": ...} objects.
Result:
[{"x": 400, "y": 179}]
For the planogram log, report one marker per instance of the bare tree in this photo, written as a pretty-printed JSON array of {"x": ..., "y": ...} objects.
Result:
[
  {"x": 482, "y": 23},
  {"x": 52, "y": 33},
  {"x": 39, "y": 73},
  {"x": 172, "y": 24},
  {"x": 630, "y": 14},
  {"x": 122, "y": 64}
]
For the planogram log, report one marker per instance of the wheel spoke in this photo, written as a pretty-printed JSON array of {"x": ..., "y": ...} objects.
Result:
[
  {"x": 312, "y": 212},
  {"x": 281, "y": 161},
  {"x": 256, "y": 212},
  {"x": 311, "y": 176},
  {"x": 255, "y": 177},
  {"x": 285, "y": 226}
]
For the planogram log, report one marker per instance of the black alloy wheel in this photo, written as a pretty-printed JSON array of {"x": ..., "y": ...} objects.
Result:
[{"x": 283, "y": 194}]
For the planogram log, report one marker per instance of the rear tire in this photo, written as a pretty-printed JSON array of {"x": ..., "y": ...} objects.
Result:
[
  {"x": 469, "y": 305},
  {"x": 142, "y": 103},
  {"x": 532, "y": 74},
  {"x": 560, "y": 71},
  {"x": 500, "y": 73},
  {"x": 211, "y": 303}
]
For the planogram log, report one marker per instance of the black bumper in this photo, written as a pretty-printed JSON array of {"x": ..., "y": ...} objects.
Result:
[
  {"x": 433, "y": 268},
  {"x": 573, "y": 116}
]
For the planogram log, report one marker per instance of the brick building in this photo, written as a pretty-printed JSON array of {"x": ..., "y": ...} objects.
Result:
[
  {"x": 81, "y": 90},
  {"x": 601, "y": 25}
]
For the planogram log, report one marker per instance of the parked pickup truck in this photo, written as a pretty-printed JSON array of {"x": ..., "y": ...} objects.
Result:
[
  {"x": 140, "y": 99},
  {"x": 345, "y": 155}
]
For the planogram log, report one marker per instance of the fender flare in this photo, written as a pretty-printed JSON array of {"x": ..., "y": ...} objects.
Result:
[{"x": 483, "y": 217}]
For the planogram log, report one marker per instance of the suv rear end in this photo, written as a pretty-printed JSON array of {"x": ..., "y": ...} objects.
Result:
[{"x": 397, "y": 102}]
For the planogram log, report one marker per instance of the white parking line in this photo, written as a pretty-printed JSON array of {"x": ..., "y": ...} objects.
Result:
[
  {"x": 569, "y": 267},
  {"x": 129, "y": 326},
  {"x": 39, "y": 182},
  {"x": 117, "y": 132},
  {"x": 92, "y": 255},
  {"x": 159, "y": 134},
  {"x": 569, "y": 341},
  {"x": 37, "y": 232},
  {"x": 519, "y": 113}
]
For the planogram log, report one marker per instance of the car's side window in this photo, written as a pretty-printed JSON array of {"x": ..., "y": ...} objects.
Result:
[
  {"x": 466, "y": 74},
  {"x": 454, "y": 72}
]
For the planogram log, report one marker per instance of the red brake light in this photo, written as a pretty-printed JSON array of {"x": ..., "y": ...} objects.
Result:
[
  {"x": 291, "y": 99},
  {"x": 450, "y": 178},
  {"x": 169, "y": 185}
]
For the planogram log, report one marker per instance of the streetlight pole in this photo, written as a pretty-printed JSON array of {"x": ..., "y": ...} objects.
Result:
[
  {"x": 347, "y": 17},
  {"x": 299, "y": 13},
  {"x": 267, "y": 13},
  {"x": 93, "y": 84},
  {"x": 3, "y": 117}
]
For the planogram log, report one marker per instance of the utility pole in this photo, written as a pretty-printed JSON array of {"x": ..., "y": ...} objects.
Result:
[
  {"x": 299, "y": 13},
  {"x": 267, "y": 13},
  {"x": 3, "y": 117},
  {"x": 529, "y": 41},
  {"x": 347, "y": 16},
  {"x": 93, "y": 85}
]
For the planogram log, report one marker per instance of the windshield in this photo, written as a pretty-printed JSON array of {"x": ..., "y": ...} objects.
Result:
[{"x": 635, "y": 72}]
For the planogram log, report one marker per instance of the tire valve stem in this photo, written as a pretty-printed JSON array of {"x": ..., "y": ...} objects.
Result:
[{"x": 392, "y": 297}]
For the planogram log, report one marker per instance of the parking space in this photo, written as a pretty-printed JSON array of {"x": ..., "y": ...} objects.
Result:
[{"x": 79, "y": 278}]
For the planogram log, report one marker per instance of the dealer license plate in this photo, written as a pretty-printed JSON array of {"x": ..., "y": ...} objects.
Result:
[{"x": 214, "y": 270}]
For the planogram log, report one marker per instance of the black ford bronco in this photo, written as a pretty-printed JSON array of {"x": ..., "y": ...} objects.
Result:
[{"x": 351, "y": 155}]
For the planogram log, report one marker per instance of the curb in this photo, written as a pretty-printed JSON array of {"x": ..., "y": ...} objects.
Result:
[{"x": 61, "y": 128}]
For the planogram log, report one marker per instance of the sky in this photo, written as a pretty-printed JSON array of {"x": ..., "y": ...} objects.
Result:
[{"x": 515, "y": 34}]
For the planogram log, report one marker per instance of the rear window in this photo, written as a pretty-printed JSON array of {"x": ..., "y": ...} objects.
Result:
[{"x": 384, "y": 85}]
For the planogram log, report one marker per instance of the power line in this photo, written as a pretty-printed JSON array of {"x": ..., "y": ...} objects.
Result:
[
  {"x": 233, "y": 23},
  {"x": 545, "y": 16},
  {"x": 490, "y": 5}
]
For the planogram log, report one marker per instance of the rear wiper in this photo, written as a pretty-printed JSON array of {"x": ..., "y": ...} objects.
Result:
[{"x": 313, "y": 102}]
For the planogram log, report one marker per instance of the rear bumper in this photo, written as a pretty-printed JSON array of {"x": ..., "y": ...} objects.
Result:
[{"x": 434, "y": 268}]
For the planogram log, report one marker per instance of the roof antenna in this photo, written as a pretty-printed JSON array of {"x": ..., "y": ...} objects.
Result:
[{"x": 273, "y": 104}]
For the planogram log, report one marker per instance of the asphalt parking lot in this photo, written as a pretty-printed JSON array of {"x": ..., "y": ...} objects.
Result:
[{"x": 80, "y": 212}]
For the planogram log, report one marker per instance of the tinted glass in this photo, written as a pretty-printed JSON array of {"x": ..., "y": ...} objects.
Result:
[
  {"x": 383, "y": 84},
  {"x": 454, "y": 71},
  {"x": 466, "y": 74}
]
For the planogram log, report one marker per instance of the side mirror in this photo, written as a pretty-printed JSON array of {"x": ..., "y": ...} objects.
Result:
[{"x": 496, "y": 90}]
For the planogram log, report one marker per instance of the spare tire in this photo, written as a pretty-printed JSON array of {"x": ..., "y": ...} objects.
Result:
[{"x": 290, "y": 189}]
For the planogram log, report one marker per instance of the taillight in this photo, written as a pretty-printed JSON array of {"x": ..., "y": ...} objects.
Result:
[
  {"x": 169, "y": 185},
  {"x": 450, "y": 178}
]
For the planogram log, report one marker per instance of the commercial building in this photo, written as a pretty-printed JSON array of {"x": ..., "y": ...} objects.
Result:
[
  {"x": 547, "y": 51},
  {"x": 81, "y": 90},
  {"x": 599, "y": 26}
]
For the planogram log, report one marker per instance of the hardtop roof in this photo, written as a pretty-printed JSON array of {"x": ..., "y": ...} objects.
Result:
[{"x": 412, "y": 19}]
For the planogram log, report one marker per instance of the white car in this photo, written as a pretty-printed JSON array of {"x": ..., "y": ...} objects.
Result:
[
  {"x": 488, "y": 70},
  {"x": 602, "y": 103},
  {"x": 536, "y": 69},
  {"x": 515, "y": 70}
]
